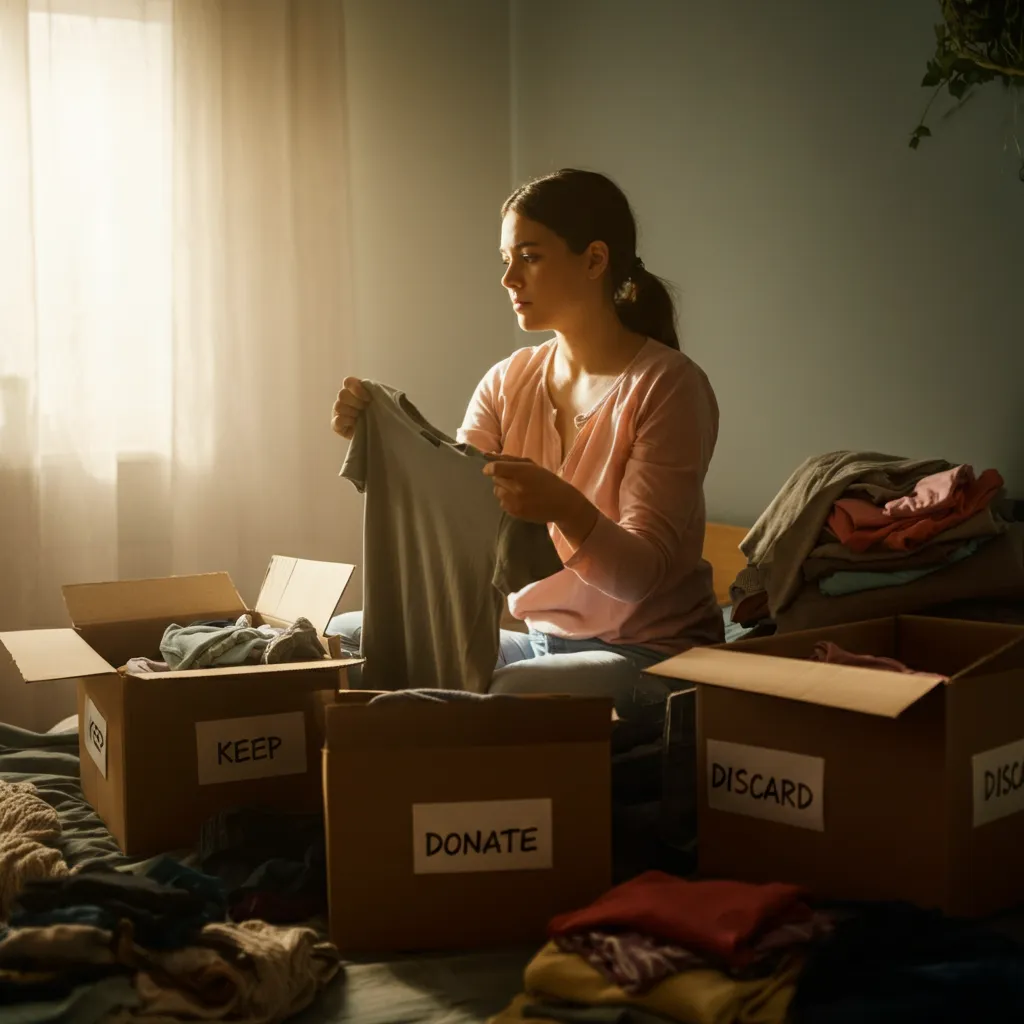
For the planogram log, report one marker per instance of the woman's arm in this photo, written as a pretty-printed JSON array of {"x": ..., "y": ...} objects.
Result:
[
  {"x": 481, "y": 426},
  {"x": 661, "y": 490}
]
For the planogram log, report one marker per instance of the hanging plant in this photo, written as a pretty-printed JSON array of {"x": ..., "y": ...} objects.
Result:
[{"x": 978, "y": 41}]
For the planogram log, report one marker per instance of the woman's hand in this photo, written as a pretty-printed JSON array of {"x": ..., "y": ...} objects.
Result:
[
  {"x": 531, "y": 492},
  {"x": 352, "y": 399}
]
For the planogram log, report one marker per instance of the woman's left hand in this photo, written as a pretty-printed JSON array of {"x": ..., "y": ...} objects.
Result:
[{"x": 531, "y": 492}]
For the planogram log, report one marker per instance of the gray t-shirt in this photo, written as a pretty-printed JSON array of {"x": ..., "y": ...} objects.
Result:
[{"x": 439, "y": 552}]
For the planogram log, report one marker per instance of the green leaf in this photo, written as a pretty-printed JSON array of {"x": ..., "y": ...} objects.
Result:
[
  {"x": 933, "y": 76},
  {"x": 920, "y": 132},
  {"x": 957, "y": 88}
]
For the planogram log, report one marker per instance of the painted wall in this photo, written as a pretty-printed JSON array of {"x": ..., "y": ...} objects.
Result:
[
  {"x": 430, "y": 163},
  {"x": 841, "y": 290}
]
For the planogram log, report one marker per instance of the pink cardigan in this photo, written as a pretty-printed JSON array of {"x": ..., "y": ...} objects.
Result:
[{"x": 641, "y": 456}]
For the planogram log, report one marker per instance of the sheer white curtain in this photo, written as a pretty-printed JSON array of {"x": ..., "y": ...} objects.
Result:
[{"x": 173, "y": 291}]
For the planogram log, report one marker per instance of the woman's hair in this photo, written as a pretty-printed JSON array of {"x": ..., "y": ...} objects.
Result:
[{"x": 583, "y": 207}]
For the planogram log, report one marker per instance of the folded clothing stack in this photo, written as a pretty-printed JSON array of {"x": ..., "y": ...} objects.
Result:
[
  {"x": 664, "y": 948},
  {"x": 659, "y": 949},
  {"x": 855, "y": 535}
]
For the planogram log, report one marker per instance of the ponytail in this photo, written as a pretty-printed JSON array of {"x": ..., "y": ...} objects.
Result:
[{"x": 645, "y": 305}]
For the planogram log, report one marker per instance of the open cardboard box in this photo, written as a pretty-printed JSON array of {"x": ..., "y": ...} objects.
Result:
[
  {"x": 859, "y": 783},
  {"x": 463, "y": 824},
  {"x": 163, "y": 752}
]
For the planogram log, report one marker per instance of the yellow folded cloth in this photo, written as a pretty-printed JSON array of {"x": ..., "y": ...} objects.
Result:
[{"x": 692, "y": 997}]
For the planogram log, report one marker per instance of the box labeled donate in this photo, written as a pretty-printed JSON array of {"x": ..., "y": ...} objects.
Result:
[
  {"x": 163, "y": 752},
  {"x": 467, "y": 824},
  {"x": 865, "y": 784}
]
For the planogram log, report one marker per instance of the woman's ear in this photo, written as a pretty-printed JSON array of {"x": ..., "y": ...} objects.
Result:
[{"x": 597, "y": 259}]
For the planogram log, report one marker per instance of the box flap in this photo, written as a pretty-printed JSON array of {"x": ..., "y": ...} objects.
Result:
[
  {"x": 295, "y": 587},
  {"x": 227, "y": 671},
  {"x": 865, "y": 690},
  {"x": 51, "y": 654},
  {"x": 172, "y": 597},
  {"x": 1008, "y": 657}
]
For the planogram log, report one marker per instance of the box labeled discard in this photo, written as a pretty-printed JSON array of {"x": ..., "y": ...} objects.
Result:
[
  {"x": 859, "y": 783},
  {"x": 163, "y": 752},
  {"x": 463, "y": 824}
]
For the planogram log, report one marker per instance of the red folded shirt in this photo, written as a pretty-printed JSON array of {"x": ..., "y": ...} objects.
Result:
[
  {"x": 859, "y": 525},
  {"x": 721, "y": 919}
]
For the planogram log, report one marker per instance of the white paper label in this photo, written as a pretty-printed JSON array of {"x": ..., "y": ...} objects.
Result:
[
  {"x": 233, "y": 749},
  {"x": 998, "y": 782},
  {"x": 773, "y": 784},
  {"x": 492, "y": 835},
  {"x": 96, "y": 736}
]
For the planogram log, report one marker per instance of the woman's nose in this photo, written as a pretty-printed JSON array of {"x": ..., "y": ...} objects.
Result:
[{"x": 511, "y": 278}]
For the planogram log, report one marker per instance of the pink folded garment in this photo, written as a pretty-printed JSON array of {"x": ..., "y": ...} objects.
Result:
[
  {"x": 833, "y": 654},
  {"x": 932, "y": 494},
  {"x": 859, "y": 525}
]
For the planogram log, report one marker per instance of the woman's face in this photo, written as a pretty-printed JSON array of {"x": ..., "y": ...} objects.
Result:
[{"x": 547, "y": 282}]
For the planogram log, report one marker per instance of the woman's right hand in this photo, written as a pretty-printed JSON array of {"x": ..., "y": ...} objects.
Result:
[{"x": 352, "y": 399}]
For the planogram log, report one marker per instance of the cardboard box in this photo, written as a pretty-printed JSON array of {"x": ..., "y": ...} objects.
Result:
[
  {"x": 161, "y": 753},
  {"x": 865, "y": 784},
  {"x": 461, "y": 825}
]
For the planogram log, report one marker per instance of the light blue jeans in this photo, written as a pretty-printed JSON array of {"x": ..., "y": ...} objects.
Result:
[{"x": 539, "y": 663}]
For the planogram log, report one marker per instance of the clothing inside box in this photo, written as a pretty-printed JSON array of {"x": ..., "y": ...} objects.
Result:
[
  {"x": 943, "y": 646},
  {"x": 119, "y": 642}
]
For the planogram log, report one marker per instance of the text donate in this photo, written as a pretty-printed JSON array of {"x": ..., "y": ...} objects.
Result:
[
  {"x": 508, "y": 840},
  {"x": 486, "y": 835},
  {"x": 758, "y": 782}
]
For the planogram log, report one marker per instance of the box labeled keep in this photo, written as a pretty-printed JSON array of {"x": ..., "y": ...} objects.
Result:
[
  {"x": 861, "y": 783},
  {"x": 163, "y": 752}
]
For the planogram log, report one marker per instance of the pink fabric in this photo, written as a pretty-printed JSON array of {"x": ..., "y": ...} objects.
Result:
[
  {"x": 641, "y": 456},
  {"x": 932, "y": 494},
  {"x": 833, "y": 654},
  {"x": 859, "y": 525}
]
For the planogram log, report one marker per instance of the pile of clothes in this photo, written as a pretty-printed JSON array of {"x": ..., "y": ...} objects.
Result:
[
  {"x": 660, "y": 949},
  {"x": 222, "y": 643},
  {"x": 856, "y": 535},
  {"x": 102, "y": 945},
  {"x": 160, "y": 940}
]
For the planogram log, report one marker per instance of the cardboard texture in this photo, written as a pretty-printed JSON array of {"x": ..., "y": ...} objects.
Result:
[
  {"x": 859, "y": 783},
  {"x": 162, "y": 753},
  {"x": 454, "y": 826}
]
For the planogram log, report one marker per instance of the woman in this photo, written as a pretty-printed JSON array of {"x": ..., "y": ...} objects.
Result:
[{"x": 604, "y": 432}]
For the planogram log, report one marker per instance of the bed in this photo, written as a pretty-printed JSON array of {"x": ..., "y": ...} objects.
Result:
[
  {"x": 453, "y": 989},
  {"x": 722, "y": 550}
]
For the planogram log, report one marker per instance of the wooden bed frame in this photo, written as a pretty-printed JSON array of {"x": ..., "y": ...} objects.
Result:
[{"x": 722, "y": 550}]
